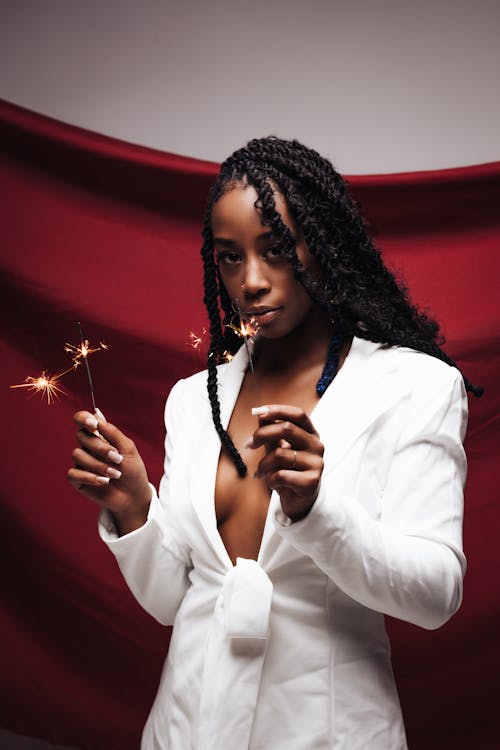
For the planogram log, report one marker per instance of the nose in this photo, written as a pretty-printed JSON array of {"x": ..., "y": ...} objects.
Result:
[{"x": 254, "y": 282}]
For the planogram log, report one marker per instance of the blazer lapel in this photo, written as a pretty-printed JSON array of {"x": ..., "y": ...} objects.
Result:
[{"x": 206, "y": 448}]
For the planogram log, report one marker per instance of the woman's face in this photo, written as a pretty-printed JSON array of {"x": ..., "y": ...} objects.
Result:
[{"x": 255, "y": 274}]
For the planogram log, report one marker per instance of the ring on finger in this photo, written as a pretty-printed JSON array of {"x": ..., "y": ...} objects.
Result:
[{"x": 294, "y": 460}]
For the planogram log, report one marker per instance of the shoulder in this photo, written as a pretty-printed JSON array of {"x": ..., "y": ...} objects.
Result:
[
  {"x": 196, "y": 385},
  {"x": 417, "y": 369},
  {"x": 436, "y": 397}
]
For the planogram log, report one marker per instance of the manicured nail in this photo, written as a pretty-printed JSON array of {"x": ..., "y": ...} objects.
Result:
[
  {"x": 114, "y": 456},
  {"x": 100, "y": 416},
  {"x": 259, "y": 411},
  {"x": 113, "y": 473},
  {"x": 91, "y": 422},
  {"x": 248, "y": 443},
  {"x": 102, "y": 480}
]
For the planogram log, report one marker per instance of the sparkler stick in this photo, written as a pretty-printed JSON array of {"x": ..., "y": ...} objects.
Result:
[
  {"x": 246, "y": 331},
  {"x": 84, "y": 354}
]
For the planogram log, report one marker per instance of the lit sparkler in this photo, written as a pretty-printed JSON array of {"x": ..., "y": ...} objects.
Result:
[
  {"x": 83, "y": 350},
  {"x": 45, "y": 384},
  {"x": 81, "y": 354},
  {"x": 246, "y": 329}
]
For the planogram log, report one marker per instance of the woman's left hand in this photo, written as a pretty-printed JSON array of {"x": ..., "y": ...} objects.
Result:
[{"x": 293, "y": 463}]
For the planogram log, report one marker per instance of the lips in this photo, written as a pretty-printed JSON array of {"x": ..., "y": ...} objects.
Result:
[
  {"x": 263, "y": 315},
  {"x": 255, "y": 312}
]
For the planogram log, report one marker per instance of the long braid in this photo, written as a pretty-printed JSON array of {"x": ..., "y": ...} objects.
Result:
[
  {"x": 212, "y": 290},
  {"x": 355, "y": 288}
]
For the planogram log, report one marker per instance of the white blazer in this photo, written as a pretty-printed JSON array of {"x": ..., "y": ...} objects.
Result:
[{"x": 289, "y": 652}]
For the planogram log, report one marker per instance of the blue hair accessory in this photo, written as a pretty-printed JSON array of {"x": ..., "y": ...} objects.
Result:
[{"x": 331, "y": 364}]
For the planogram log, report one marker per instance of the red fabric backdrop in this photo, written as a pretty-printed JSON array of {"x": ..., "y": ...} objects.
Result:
[{"x": 105, "y": 232}]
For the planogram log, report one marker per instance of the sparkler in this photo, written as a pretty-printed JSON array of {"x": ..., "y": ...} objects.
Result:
[
  {"x": 247, "y": 329},
  {"x": 81, "y": 354},
  {"x": 47, "y": 385}
]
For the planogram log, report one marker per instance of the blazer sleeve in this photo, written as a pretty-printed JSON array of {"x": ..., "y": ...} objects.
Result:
[
  {"x": 407, "y": 562},
  {"x": 152, "y": 559}
]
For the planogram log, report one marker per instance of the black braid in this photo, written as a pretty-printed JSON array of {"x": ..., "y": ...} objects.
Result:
[
  {"x": 213, "y": 289},
  {"x": 356, "y": 289}
]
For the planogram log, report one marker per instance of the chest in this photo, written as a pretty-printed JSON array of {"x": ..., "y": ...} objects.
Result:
[{"x": 241, "y": 503}]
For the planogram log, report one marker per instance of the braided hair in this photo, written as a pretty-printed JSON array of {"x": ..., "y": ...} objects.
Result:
[{"x": 355, "y": 288}]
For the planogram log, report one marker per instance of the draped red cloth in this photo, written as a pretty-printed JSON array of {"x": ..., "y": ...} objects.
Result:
[{"x": 107, "y": 233}]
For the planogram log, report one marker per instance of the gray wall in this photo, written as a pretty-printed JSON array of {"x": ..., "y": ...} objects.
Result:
[{"x": 380, "y": 86}]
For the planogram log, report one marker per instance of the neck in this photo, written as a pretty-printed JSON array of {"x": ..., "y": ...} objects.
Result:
[{"x": 304, "y": 346}]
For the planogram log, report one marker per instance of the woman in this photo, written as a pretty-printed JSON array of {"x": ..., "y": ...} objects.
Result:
[{"x": 312, "y": 484}]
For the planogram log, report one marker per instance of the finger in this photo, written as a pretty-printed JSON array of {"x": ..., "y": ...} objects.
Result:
[
  {"x": 99, "y": 415},
  {"x": 303, "y": 484},
  {"x": 88, "y": 463},
  {"x": 87, "y": 421},
  {"x": 272, "y": 434},
  {"x": 289, "y": 459},
  {"x": 117, "y": 439},
  {"x": 272, "y": 412},
  {"x": 80, "y": 478},
  {"x": 99, "y": 447},
  {"x": 123, "y": 444}
]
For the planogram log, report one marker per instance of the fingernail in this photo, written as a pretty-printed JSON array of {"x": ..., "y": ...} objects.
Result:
[
  {"x": 114, "y": 456},
  {"x": 102, "y": 480},
  {"x": 91, "y": 422},
  {"x": 259, "y": 411},
  {"x": 248, "y": 443},
  {"x": 100, "y": 416},
  {"x": 113, "y": 473}
]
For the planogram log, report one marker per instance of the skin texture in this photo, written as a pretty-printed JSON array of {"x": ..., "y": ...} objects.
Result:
[{"x": 280, "y": 446}]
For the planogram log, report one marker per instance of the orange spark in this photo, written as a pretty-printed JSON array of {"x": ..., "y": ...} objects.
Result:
[
  {"x": 83, "y": 350},
  {"x": 195, "y": 340},
  {"x": 45, "y": 385},
  {"x": 246, "y": 328}
]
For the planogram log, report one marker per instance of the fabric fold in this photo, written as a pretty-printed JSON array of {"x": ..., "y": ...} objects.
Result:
[{"x": 235, "y": 653}]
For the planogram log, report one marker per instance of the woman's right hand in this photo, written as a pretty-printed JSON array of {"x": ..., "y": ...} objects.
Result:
[{"x": 109, "y": 470}]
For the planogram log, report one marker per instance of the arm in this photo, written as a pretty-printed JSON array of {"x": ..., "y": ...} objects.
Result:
[
  {"x": 152, "y": 559},
  {"x": 408, "y": 563},
  {"x": 139, "y": 534}
]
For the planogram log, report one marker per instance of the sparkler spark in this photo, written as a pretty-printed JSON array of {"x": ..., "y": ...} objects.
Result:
[
  {"x": 247, "y": 328},
  {"x": 194, "y": 340},
  {"x": 45, "y": 385},
  {"x": 81, "y": 354},
  {"x": 83, "y": 350}
]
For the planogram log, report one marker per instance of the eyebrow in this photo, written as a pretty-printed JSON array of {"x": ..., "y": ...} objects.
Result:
[{"x": 231, "y": 243}]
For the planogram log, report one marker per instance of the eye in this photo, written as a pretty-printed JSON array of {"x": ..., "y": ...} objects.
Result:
[
  {"x": 274, "y": 253},
  {"x": 228, "y": 258}
]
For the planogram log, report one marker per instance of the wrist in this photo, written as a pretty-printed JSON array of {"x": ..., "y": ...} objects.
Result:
[{"x": 130, "y": 519}]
